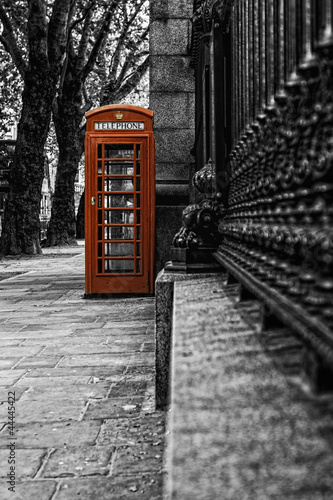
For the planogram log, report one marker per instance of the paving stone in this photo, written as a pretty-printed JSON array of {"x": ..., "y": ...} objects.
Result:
[
  {"x": 31, "y": 490},
  {"x": 114, "y": 408},
  {"x": 92, "y": 348},
  {"x": 27, "y": 462},
  {"x": 138, "y": 458},
  {"x": 125, "y": 389},
  {"x": 9, "y": 377},
  {"x": 75, "y": 353},
  {"x": 143, "y": 487},
  {"x": 39, "y": 362},
  {"x": 78, "y": 462},
  {"x": 62, "y": 381},
  {"x": 122, "y": 431},
  {"x": 111, "y": 331},
  {"x": 79, "y": 371},
  {"x": 54, "y": 435},
  {"x": 38, "y": 334},
  {"x": 8, "y": 362},
  {"x": 130, "y": 325},
  {"x": 18, "y": 393},
  {"x": 47, "y": 410},
  {"x": 82, "y": 391},
  {"x": 52, "y": 342},
  {"x": 10, "y": 342},
  {"x": 111, "y": 360}
]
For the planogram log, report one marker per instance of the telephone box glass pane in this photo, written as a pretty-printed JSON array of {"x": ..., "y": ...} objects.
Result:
[
  {"x": 138, "y": 150},
  {"x": 118, "y": 184},
  {"x": 138, "y": 198},
  {"x": 119, "y": 249},
  {"x": 119, "y": 233},
  {"x": 138, "y": 250},
  {"x": 138, "y": 266},
  {"x": 138, "y": 168},
  {"x": 118, "y": 200},
  {"x": 120, "y": 168},
  {"x": 119, "y": 217},
  {"x": 119, "y": 266},
  {"x": 138, "y": 184},
  {"x": 99, "y": 167},
  {"x": 99, "y": 184},
  {"x": 99, "y": 150},
  {"x": 119, "y": 151}
]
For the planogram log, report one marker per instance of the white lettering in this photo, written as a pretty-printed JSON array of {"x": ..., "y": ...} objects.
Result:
[{"x": 119, "y": 126}]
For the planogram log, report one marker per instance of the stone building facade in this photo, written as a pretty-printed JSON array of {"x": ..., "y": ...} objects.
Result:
[{"x": 172, "y": 100}]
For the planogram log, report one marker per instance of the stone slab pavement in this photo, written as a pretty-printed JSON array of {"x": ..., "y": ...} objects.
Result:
[{"x": 77, "y": 402}]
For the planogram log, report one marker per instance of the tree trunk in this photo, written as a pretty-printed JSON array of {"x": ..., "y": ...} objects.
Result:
[
  {"x": 68, "y": 117},
  {"x": 21, "y": 232},
  {"x": 80, "y": 219}
]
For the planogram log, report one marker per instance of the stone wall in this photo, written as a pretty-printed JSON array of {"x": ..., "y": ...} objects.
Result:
[{"x": 172, "y": 100}]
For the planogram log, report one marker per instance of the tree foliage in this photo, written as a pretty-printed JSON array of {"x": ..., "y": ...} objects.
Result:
[{"x": 100, "y": 56}]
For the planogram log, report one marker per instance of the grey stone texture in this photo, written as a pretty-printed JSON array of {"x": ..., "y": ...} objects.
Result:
[
  {"x": 244, "y": 424},
  {"x": 166, "y": 9},
  {"x": 175, "y": 116},
  {"x": 168, "y": 223},
  {"x": 169, "y": 36},
  {"x": 172, "y": 100},
  {"x": 164, "y": 290},
  {"x": 83, "y": 376},
  {"x": 168, "y": 171},
  {"x": 172, "y": 74}
]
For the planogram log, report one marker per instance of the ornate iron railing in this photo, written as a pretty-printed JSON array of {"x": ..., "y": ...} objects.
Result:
[{"x": 272, "y": 160}]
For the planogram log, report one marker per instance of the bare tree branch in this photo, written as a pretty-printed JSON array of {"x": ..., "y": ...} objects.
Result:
[
  {"x": 130, "y": 57},
  {"x": 133, "y": 80},
  {"x": 115, "y": 61},
  {"x": 100, "y": 38},
  {"x": 84, "y": 15}
]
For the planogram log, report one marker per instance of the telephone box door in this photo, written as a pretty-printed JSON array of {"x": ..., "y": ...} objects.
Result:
[{"x": 119, "y": 214}]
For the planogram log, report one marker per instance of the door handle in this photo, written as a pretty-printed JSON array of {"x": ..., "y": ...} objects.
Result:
[{"x": 93, "y": 200}]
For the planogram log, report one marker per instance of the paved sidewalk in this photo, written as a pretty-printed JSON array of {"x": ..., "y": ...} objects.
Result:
[{"x": 83, "y": 376}]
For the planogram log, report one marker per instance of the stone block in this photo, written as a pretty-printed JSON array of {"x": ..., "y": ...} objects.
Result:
[
  {"x": 164, "y": 293},
  {"x": 138, "y": 459},
  {"x": 143, "y": 486},
  {"x": 164, "y": 9},
  {"x": 180, "y": 8},
  {"x": 80, "y": 461},
  {"x": 114, "y": 408},
  {"x": 55, "y": 434},
  {"x": 30, "y": 490},
  {"x": 127, "y": 431},
  {"x": 159, "y": 10},
  {"x": 168, "y": 222},
  {"x": 174, "y": 146},
  {"x": 170, "y": 38},
  {"x": 171, "y": 74},
  {"x": 172, "y": 110},
  {"x": 172, "y": 171},
  {"x": 29, "y": 462},
  {"x": 172, "y": 194}
]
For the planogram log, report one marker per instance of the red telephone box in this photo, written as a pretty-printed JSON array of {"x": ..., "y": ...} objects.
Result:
[{"x": 120, "y": 200}]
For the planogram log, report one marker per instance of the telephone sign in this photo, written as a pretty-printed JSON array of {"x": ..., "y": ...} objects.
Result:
[{"x": 120, "y": 200}]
